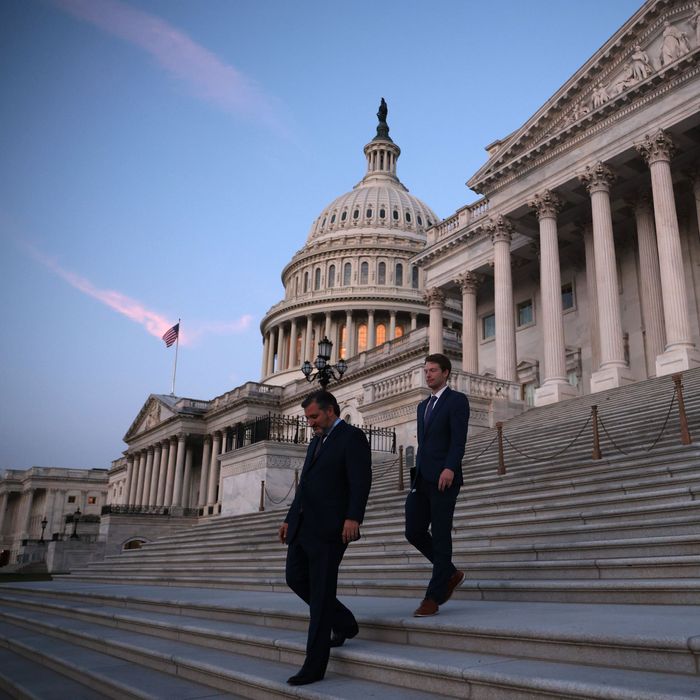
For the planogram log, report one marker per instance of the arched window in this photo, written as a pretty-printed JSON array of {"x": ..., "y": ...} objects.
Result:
[
  {"x": 381, "y": 334},
  {"x": 333, "y": 219},
  {"x": 296, "y": 286},
  {"x": 408, "y": 217},
  {"x": 398, "y": 333},
  {"x": 420, "y": 221},
  {"x": 317, "y": 278},
  {"x": 343, "y": 351},
  {"x": 298, "y": 350},
  {"x": 399, "y": 275},
  {"x": 414, "y": 277},
  {"x": 344, "y": 216},
  {"x": 356, "y": 214},
  {"x": 331, "y": 276},
  {"x": 395, "y": 214},
  {"x": 364, "y": 273},
  {"x": 369, "y": 213},
  {"x": 381, "y": 273},
  {"x": 382, "y": 213},
  {"x": 347, "y": 274},
  {"x": 362, "y": 338},
  {"x": 306, "y": 282}
]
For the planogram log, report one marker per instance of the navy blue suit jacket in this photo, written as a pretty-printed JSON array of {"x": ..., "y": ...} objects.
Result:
[
  {"x": 441, "y": 443},
  {"x": 334, "y": 486}
]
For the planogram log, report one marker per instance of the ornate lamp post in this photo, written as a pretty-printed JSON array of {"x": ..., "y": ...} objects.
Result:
[
  {"x": 44, "y": 523},
  {"x": 76, "y": 518},
  {"x": 324, "y": 370}
]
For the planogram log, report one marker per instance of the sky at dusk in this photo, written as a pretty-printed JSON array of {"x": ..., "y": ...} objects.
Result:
[{"x": 164, "y": 159}]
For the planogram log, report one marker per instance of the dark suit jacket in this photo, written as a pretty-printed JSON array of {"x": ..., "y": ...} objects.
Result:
[
  {"x": 441, "y": 443},
  {"x": 334, "y": 486}
]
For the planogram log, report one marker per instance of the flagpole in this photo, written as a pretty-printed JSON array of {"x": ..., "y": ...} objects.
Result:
[{"x": 177, "y": 345}]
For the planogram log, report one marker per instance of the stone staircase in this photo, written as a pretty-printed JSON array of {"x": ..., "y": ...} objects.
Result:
[{"x": 583, "y": 581}]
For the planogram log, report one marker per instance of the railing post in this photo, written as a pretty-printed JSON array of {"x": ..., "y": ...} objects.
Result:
[
  {"x": 682, "y": 417},
  {"x": 401, "y": 486},
  {"x": 596, "y": 437},
  {"x": 296, "y": 479},
  {"x": 262, "y": 496},
  {"x": 501, "y": 460}
]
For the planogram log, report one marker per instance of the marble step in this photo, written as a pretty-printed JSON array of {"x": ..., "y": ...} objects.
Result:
[
  {"x": 642, "y": 665},
  {"x": 480, "y": 648}
]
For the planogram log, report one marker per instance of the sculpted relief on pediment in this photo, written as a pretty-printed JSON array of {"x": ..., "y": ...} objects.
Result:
[{"x": 150, "y": 416}]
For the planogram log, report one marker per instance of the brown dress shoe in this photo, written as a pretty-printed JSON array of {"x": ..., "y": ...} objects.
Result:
[
  {"x": 427, "y": 608},
  {"x": 453, "y": 582}
]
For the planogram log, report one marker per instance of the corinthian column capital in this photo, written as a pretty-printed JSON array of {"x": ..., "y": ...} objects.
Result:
[
  {"x": 434, "y": 297},
  {"x": 469, "y": 281},
  {"x": 597, "y": 177},
  {"x": 546, "y": 205},
  {"x": 655, "y": 147},
  {"x": 500, "y": 228}
]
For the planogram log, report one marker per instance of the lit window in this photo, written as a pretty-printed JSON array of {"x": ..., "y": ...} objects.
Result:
[
  {"x": 381, "y": 273},
  {"x": 381, "y": 334},
  {"x": 399, "y": 275},
  {"x": 347, "y": 274},
  {"x": 398, "y": 333},
  {"x": 567, "y": 296},
  {"x": 489, "y": 326},
  {"x": 525, "y": 313},
  {"x": 364, "y": 273},
  {"x": 298, "y": 344},
  {"x": 362, "y": 338},
  {"x": 92, "y": 500},
  {"x": 331, "y": 276},
  {"x": 343, "y": 341}
]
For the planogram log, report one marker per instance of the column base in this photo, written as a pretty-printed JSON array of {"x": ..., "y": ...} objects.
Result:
[
  {"x": 677, "y": 360},
  {"x": 554, "y": 392},
  {"x": 610, "y": 378}
]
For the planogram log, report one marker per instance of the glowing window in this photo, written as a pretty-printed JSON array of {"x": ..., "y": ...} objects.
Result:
[
  {"x": 381, "y": 334},
  {"x": 362, "y": 338}
]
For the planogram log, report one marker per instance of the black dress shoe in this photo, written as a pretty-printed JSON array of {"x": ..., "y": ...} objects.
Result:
[
  {"x": 337, "y": 640},
  {"x": 304, "y": 678}
]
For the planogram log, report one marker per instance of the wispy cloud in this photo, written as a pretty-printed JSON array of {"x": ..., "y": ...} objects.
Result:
[
  {"x": 154, "y": 322},
  {"x": 205, "y": 74}
]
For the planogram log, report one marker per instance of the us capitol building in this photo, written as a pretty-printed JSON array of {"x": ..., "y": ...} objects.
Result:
[{"x": 577, "y": 270}]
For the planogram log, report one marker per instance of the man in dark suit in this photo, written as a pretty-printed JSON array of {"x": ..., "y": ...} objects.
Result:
[
  {"x": 324, "y": 517},
  {"x": 442, "y": 434}
]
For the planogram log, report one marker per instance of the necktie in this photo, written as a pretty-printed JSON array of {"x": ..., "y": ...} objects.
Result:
[{"x": 429, "y": 409}]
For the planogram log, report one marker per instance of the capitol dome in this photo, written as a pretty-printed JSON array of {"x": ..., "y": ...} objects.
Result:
[{"x": 353, "y": 281}]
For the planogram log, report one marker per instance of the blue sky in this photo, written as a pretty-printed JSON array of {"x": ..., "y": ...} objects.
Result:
[{"x": 165, "y": 159}]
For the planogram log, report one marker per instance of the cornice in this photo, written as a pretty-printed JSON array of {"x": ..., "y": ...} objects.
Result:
[{"x": 471, "y": 234}]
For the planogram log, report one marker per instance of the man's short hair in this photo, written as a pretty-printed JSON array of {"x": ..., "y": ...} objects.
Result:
[
  {"x": 324, "y": 399},
  {"x": 442, "y": 360}
]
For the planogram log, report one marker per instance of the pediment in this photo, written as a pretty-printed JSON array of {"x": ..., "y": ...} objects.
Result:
[
  {"x": 153, "y": 413},
  {"x": 652, "y": 47}
]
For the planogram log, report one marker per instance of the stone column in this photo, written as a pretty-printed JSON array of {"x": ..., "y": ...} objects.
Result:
[
  {"x": 187, "y": 479},
  {"x": 130, "y": 489},
  {"x": 170, "y": 476},
  {"x": 214, "y": 469},
  {"x": 435, "y": 299},
  {"x": 696, "y": 193},
  {"x": 163, "y": 471},
  {"x": 469, "y": 283},
  {"x": 414, "y": 321},
  {"x": 349, "y": 334},
  {"x": 204, "y": 472},
  {"x": 153, "y": 491},
  {"x": 147, "y": 477},
  {"x": 649, "y": 283},
  {"x": 392, "y": 325},
  {"x": 680, "y": 353},
  {"x": 501, "y": 230},
  {"x": 555, "y": 386},
  {"x": 280, "y": 348},
  {"x": 142, "y": 475},
  {"x": 592, "y": 292},
  {"x": 327, "y": 326},
  {"x": 371, "y": 333},
  {"x": 293, "y": 359},
  {"x": 179, "y": 471},
  {"x": 613, "y": 370},
  {"x": 308, "y": 350},
  {"x": 271, "y": 352},
  {"x": 265, "y": 356}
]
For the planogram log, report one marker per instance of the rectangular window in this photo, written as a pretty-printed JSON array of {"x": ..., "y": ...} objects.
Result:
[
  {"x": 526, "y": 314},
  {"x": 92, "y": 500},
  {"x": 567, "y": 296},
  {"x": 488, "y": 326},
  {"x": 71, "y": 499}
]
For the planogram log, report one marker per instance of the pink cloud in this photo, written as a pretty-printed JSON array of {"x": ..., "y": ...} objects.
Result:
[
  {"x": 207, "y": 76},
  {"x": 155, "y": 323}
]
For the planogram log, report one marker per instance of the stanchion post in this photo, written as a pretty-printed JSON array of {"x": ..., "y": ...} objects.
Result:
[
  {"x": 262, "y": 496},
  {"x": 596, "y": 437},
  {"x": 400, "y": 467},
  {"x": 296, "y": 479},
  {"x": 682, "y": 417},
  {"x": 501, "y": 460}
]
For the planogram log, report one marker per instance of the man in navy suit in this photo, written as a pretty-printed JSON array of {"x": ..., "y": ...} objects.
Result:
[
  {"x": 442, "y": 434},
  {"x": 324, "y": 517}
]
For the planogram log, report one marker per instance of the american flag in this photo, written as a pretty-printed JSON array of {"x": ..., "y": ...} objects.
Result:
[{"x": 170, "y": 336}]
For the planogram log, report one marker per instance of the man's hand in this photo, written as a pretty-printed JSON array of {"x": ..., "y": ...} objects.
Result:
[
  {"x": 445, "y": 480},
  {"x": 351, "y": 531},
  {"x": 283, "y": 533}
]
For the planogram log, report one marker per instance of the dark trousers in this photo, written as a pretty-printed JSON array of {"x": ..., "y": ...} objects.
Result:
[
  {"x": 312, "y": 573},
  {"x": 428, "y": 506}
]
